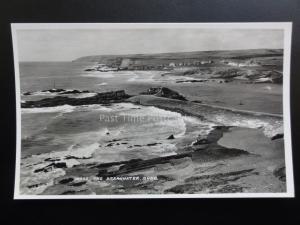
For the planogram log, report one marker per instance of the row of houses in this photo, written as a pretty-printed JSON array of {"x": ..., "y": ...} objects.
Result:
[
  {"x": 166, "y": 66},
  {"x": 195, "y": 63},
  {"x": 128, "y": 65}
]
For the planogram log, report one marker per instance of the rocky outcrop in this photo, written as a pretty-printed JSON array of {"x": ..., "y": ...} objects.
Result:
[
  {"x": 99, "y": 98},
  {"x": 277, "y": 136},
  {"x": 171, "y": 137},
  {"x": 217, "y": 183},
  {"x": 209, "y": 152},
  {"x": 58, "y": 91},
  {"x": 192, "y": 81},
  {"x": 51, "y": 167},
  {"x": 164, "y": 92}
]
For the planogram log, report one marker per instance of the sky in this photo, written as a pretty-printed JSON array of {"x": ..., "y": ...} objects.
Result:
[{"x": 67, "y": 45}]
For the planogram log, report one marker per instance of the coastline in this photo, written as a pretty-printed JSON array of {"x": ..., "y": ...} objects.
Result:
[{"x": 204, "y": 165}]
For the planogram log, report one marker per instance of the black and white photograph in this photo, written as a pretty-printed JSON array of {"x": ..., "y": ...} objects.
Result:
[{"x": 152, "y": 110}]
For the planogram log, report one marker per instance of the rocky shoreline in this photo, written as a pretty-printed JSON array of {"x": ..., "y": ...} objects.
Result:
[
  {"x": 99, "y": 98},
  {"x": 202, "y": 166}
]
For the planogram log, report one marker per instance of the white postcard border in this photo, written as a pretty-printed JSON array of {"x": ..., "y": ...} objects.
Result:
[{"x": 286, "y": 26}]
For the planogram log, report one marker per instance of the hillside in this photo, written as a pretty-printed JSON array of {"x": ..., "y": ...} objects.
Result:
[{"x": 179, "y": 57}]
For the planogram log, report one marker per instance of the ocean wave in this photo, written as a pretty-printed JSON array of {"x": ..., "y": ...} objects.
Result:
[
  {"x": 63, "y": 92},
  {"x": 102, "y": 84},
  {"x": 142, "y": 76},
  {"x": 152, "y": 118},
  {"x": 99, "y": 74},
  {"x": 42, "y": 93},
  {"x": 33, "y": 182},
  {"x": 55, "y": 109},
  {"x": 66, "y": 109}
]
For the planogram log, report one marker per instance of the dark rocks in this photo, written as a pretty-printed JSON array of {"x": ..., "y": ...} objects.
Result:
[
  {"x": 136, "y": 165},
  {"x": 171, "y": 137},
  {"x": 230, "y": 188},
  {"x": 216, "y": 183},
  {"x": 99, "y": 98},
  {"x": 69, "y": 192},
  {"x": 51, "y": 159},
  {"x": 200, "y": 142},
  {"x": 277, "y": 136},
  {"x": 58, "y": 91},
  {"x": 217, "y": 133},
  {"x": 74, "y": 157},
  {"x": 114, "y": 140},
  {"x": 51, "y": 166},
  {"x": 197, "y": 101},
  {"x": 152, "y": 144},
  {"x": 191, "y": 81},
  {"x": 110, "y": 144},
  {"x": 214, "y": 151},
  {"x": 239, "y": 173},
  {"x": 149, "y": 145},
  {"x": 182, "y": 189},
  {"x": 27, "y": 93},
  {"x": 74, "y": 192},
  {"x": 164, "y": 92},
  {"x": 77, "y": 184},
  {"x": 165, "y": 178},
  {"x": 66, "y": 180},
  {"x": 35, "y": 185},
  {"x": 280, "y": 173},
  {"x": 74, "y": 92}
]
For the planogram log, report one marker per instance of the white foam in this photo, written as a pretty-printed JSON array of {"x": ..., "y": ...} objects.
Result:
[
  {"x": 102, "y": 84},
  {"x": 46, "y": 179},
  {"x": 82, "y": 151},
  {"x": 61, "y": 93},
  {"x": 62, "y": 109},
  {"x": 268, "y": 88},
  {"x": 142, "y": 76},
  {"x": 83, "y": 95},
  {"x": 269, "y": 127},
  {"x": 94, "y": 107},
  {"x": 48, "y": 93},
  {"x": 42, "y": 180},
  {"x": 99, "y": 74}
]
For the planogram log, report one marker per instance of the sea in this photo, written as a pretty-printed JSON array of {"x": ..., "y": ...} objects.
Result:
[
  {"x": 107, "y": 133},
  {"x": 67, "y": 127}
]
